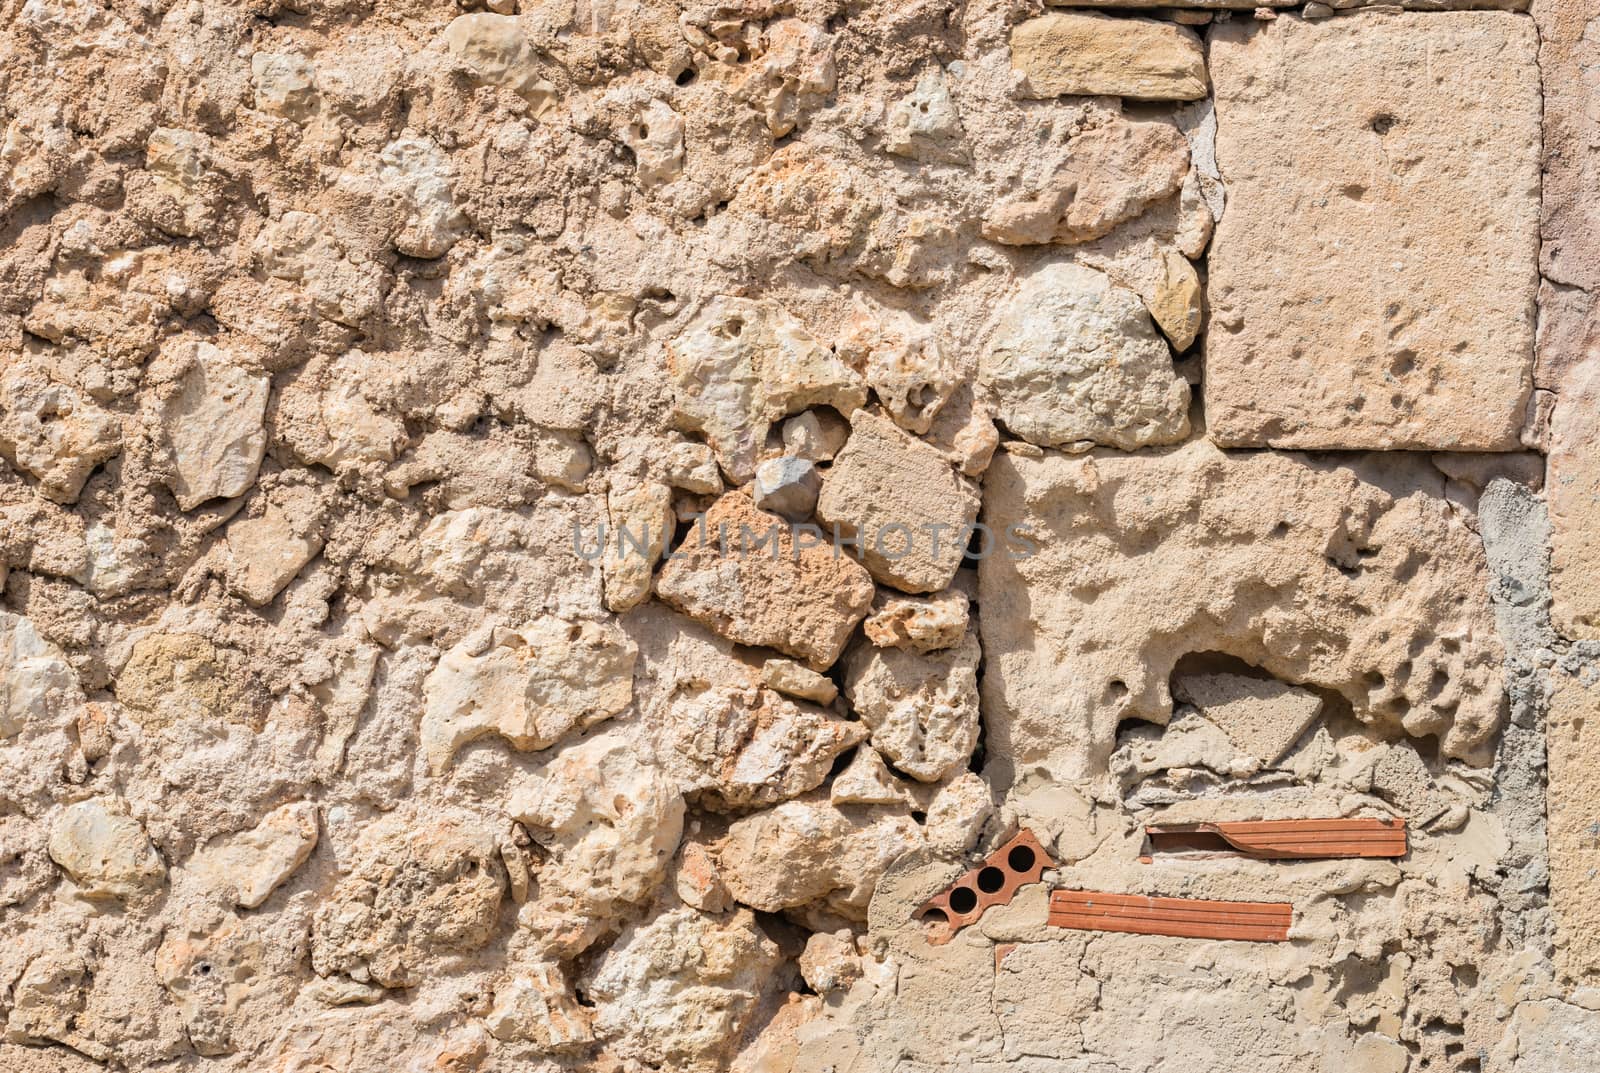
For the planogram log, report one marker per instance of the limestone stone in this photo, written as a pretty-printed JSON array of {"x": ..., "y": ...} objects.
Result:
[
  {"x": 1094, "y": 55},
  {"x": 250, "y": 865},
  {"x": 1352, "y": 574},
  {"x": 267, "y": 551},
  {"x": 925, "y": 124},
  {"x": 172, "y": 677},
  {"x": 675, "y": 991},
  {"x": 787, "y": 486},
  {"x": 922, "y": 709},
  {"x": 762, "y": 587},
  {"x": 532, "y": 685},
  {"x": 829, "y": 962},
  {"x": 639, "y": 524},
  {"x": 867, "y": 780},
  {"x": 958, "y": 812},
  {"x": 52, "y": 431},
  {"x": 610, "y": 820},
  {"x": 735, "y": 748},
  {"x": 1112, "y": 172},
  {"x": 37, "y": 686},
  {"x": 1574, "y": 490},
  {"x": 904, "y": 364},
  {"x": 537, "y": 1006},
  {"x": 417, "y": 177},
  {"x": 918, "y": 623},
  {"x": 420, "y": 886},
  {"x": 1074, "y": 360},
  {"x": 1574, "y": 721},
  {"x": 494, "y": 49},
  {"x": 817, "y": 435},
  {"x": 808, "y": 850},
  {"x": 1372, "y": 282},
  {"x": 209, "y": 419},
  {"x": 693, "y": 467},
  {"x": 697, "y": 882},
  {"x": 741, "y": 365},
  {"x": 1262, "y": 716},
  {"x": 903, "y": 501},
  {"x": 798, "y": 680},
  {"x": 104, "y": 850}
]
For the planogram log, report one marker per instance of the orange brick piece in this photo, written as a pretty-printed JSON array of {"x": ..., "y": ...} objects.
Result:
[
  {"x": 1260, "y": 922},
  {"x": 994, "y": 882},
  {"x": 1284, "y": 839}
]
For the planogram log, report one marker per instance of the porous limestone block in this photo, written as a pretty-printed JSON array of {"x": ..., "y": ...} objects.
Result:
[
  {"x": 1372, "y": 282},
  {"x": 1090, "y": 55}
]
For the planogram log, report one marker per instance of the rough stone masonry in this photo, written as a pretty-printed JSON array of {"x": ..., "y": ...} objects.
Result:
[{"x": 535, "y": 535}]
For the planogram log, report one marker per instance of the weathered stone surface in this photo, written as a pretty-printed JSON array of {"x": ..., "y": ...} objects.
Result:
[
  {"x": 1093, "y": 55},
  {"x": 610, "y": 820},
  {"x": 420, "y": 887},
  {"x": 1112, "y": 172},
  {"x": 1262, "y": 716},
  {"x": 904, "y": 364},
  {"x": 209, "y": 419},
  {"x": 676, "y": 990},
  {"x": 922, "y": 709},
  {"x": 1574, "y": 722},
  {"x": 1574, "y": 489},
  {"x": 798, "y": 680},
  {"x": 1372, "y": 282},
  {"x": 762, "y": 588},
  {"x": 494, "y": 49},
  {"x": 867, "y": 780},
  {"x": 816, "y": 435},
  {"x": 1073, "y": 360},
  {"x": 104, "y": 850},
  {"x": 251, "y": 864},
  {"x": 742, "y": 365},
  {"x": 52, "y": 431},
  {"x": 808, "y": 850},
  {"x": 1354, "y": 575},
  {"x": 266, "y": 551},
  {"x": 902, "y": 500},
  {"x": 171, "y": 677},
  {"x": 736, "y": 747},
  {"x": 787, "y": 486},
  {"x": 532, "y": 685},
  {"x": 918, "y": 623},
  {"x": 639, "y": 524},
  {"x": 37, "y": 686}
]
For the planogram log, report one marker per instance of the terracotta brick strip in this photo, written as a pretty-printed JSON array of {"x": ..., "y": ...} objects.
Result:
[
  {"x": 996, "y": 881},
  {"x": 1285, "y": 839},
  {"x": 1180, "y": 917}
]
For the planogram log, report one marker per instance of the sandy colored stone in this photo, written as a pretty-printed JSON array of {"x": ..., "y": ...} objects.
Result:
[
  {"x": 610, "y": 820},
  {"x": 1112, "y": 172},
  {"x": 918, "y": 623},
  {"x": 37, "y": 686},
  {"x": 1262, "y": 716},
  {"x": 1073, "y": 360},
  {"x": 182, "y": 676},
  {"x": 421, "y": 885},
  {"x": 733, "y": 748},
  {"x": 677, "y": 989},
  {"x": 867, "y": 780},
  {"x": 532, "y": 685},
  {"x": 104, "y": 850},
  {"x": 1574, "y": 786},
  {"x": 904, "y": 364},
  {"x": 900, "y": 497},
  {"x": 742, "y": 365},
  {"x": 52, "y": 431},
  {"x": 1574, "y": 490},
  {"x": 1080, "y": 54},
  {"x": 267, "y": 551},
  {"x": 807, "y": 850},
  {"x": 817, "y": 435},
  {"x": 639, "y": 525},
  {"x": 251, "y": 864},
  {"x": 787, "y": 486},
  {"x": 494, "y": 49},
  {"x": 1352, "y": 575},
  {"x": 798, "y": 680},
  {"x": 1372, "y": 282},
  {"x": 537, "y": 1006},
  {"x": 922, "y": 709},
  {"x": 763, "y": 588},
  {"x": 209, "y": 421}
]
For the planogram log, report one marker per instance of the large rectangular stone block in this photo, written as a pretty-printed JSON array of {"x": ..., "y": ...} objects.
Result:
[{"x": 1372, "y": 280}]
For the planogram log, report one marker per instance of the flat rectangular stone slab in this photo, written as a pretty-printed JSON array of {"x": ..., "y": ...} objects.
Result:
[{"x": 1372, "y": 279}]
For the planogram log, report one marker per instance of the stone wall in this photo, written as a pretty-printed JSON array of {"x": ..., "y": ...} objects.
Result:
[{"x": 537, "y": 537}]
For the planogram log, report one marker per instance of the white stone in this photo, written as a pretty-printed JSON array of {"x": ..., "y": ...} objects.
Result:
[
  {"x": 105, "y": 850},
  {"x": 210, "y": 422},
  {"x": 251, "y": 864},
  {"x": 922, "y": 709}
]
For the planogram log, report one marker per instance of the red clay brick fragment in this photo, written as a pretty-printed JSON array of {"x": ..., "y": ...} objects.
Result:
[
  {"x": 1191, "y": 918},
  {"x": 1284, "y": 839},
  {"x": 994, "y": 882}
]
